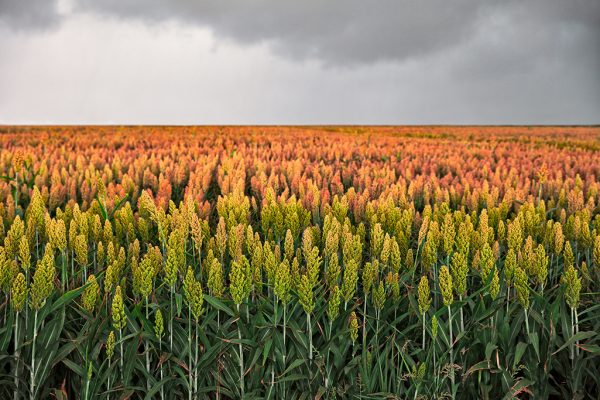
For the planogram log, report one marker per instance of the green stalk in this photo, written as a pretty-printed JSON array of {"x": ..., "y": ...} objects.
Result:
[
  {"x": 108, "y": 383},
  {"x": 171, "y": 322},
  {"x": 526, "y": 321},
  {"x": 87, "y": 388},
  {"x": 327, "y": 363},
  {"x": 65, "y": 273},
  {"x": 16, "y": 190},
  {"x": 284, "y": 347},
  {"x": 196, "y": 364},
  {"x": 162, "y": 392},
  {"x": 377, "y": 340},
  {"x": 16, "y": 393},
  {"x": 451, "y": 347},
  {"x": 190, "y": 365},
  {"x": 147, "y": 352},
  {"x": 32, "y": 391},
  {"x": 241, "y": 357},
  {"x": 121, "y": 355},
  {"x": 423, "y": 331},
  {"x": 310, "y": 355},
  {"x": 275, "y": 330},
  {"x": 576, "y": 329},
  {"x": 572, "y": 348},
  {"x": 364, "y": 327}
]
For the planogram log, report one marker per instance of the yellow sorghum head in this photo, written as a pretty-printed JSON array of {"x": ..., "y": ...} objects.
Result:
[
  {"x": 100, "y": 255},
  {"x": 434, "y": 327},
  {"x": 510, "y": 263},
  {"x": 18, "y": 292},
  {"x": 515, "y": 235},
  {"x": 24, "y": 253},
  {"x": 305, "y": 294},
  {"x": 175, "y": 257},
  {"x": 333, "y": 271},
  {"x": 58, "y": 235},
  {"x": 118, "y": 310},
  {"x": 196, "y": 300},
  {"x": 43, "y": 280},
  {"x": 385, "y": 250},
  {"x": 395, "y": 257},
  {"x": 333, "y": 304},
  {"x": 91, "y": 294},
  {"x": 81, "y": 250},
  {"x": 269, "y": 263},
  {"x": 377, "y": 239},
  {"x": 215, "y": 278},
  {"x": 188, "y": 283},
  {"x": 459, "y": 270},
  {"x": 237, "y": 282},
  {"x": 409, "y": 261},
  {"x": 486, "y": 261},
  {"x": 572, "y": 283},
  {"x": 288, "y": 246},
  {"x": 522, "y": 287},
  {"x": 448, "y": 234},
  {"x": 13, "y": 238},
  {"x": 495, "y": 284},
  {"x": 353, "y": 326},
  {"x": 596, "y": 252},
  {"x": 283, "y": 281},
  {"x": 368, "y": 274},
  {"x": 446, "y": 285},
  {"x": 349, "y": 280},
  {"x": 429, "y": 256},
  {"x": 257, "y": 266},
  {"x": 569, "y": 258},
  {"x": 313, "y": 266},
  {"x": 392, "y": 281},
  {"x": 159, "y": 327},
  {"x": 110, "y": 345},
  {"x": 379, "y": 296},
  {"x": 424, "y": 295}
]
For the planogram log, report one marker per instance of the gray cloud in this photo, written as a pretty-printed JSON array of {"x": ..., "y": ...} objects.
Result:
[
  {"x": 273, "y": 61},
  {"x": 29, "y": 14}
]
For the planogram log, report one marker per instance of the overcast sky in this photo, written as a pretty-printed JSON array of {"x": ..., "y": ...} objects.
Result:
[{"x": 299, "y": 62}]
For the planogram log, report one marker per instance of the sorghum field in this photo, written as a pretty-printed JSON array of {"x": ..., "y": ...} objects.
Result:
[{"x": 299, "y": 262}]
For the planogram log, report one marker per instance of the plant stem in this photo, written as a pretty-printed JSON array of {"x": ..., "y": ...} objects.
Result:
[
  {"x": 16, "y": 393},
  {"x": 32, "y": 391},
  {"x": 147, "y": 352},
  {"x": 576, "y": 329},
  {"x": 108, "y": 383},
  {"x": 241, "y": 357},
  {"x": 121, "y": 358},
  {"x": 364, "y": 327},
  {"x": 310, "y": 355},
  {"x": 162, "y": 392},
  {"x": 171, "y": 322},
  {"x": 196, "y": 363},
  {"x": 423, "y": 331},
  {"x": 190, "y": 365},
  {"x": 451, "y": 347}
]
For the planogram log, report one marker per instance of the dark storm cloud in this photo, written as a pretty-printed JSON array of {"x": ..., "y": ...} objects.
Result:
[
  {"x": 356, "y": 31},
  {"x": 347, "y": 31},
  {"x": 305, "y": 61},
  {"x": 29, "y": 14}
]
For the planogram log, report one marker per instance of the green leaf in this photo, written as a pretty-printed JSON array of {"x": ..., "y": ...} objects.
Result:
[
  {"x": 519, "y": 351},
  {"x": 574, "y": 338}
]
